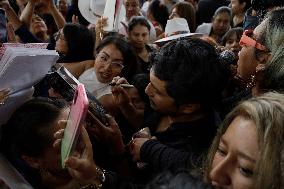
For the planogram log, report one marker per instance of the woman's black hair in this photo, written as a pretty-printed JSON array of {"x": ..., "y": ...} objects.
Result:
[
  {"x": 138, "y": 20},
  {"x": 129, "y": 57},
  {"x": 80, "y": 43},
  {"x": 159, "y": 12}
]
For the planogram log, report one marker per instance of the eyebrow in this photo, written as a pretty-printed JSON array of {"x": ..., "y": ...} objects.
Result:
[
  {"x": 117, "y": 59},
  {"x": 105, "y": 54},
  {"x": 247, "y": 157},
  {"x": 240, "y": 154}
]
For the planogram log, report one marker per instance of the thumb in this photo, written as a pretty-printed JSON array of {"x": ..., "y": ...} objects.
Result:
[{"x": 73, "y": 163}]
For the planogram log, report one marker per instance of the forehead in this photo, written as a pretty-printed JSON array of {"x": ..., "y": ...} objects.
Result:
[
  {"x": 233, "y": 36},
  {"x": 139, "y": 28},
  {"x": 131, "y": 2},
  {"x": 222, "y": 16},
  {"x": 112, "y": 51},
  {"x": 242, "y": 136},
  {"x": 234, "y": 1}
]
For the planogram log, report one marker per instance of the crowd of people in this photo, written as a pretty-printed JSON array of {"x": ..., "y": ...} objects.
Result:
[{"x": 192, "y": 93}]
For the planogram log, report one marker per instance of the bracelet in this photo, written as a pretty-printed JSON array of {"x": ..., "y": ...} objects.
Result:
[{"x": 99, "y": 178}]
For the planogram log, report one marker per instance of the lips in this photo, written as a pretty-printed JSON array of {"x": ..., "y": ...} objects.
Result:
[{"x": 105, "y": 76}]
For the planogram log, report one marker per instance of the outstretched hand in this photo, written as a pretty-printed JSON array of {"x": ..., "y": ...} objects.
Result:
[
  {"x": 83, "y": 169},
  {"x": 109, "y": 135},
  {"x": 120, "y": 94}
]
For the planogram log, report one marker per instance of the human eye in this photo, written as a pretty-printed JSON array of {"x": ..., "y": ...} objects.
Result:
[
  {"x": 247, "y": 172},
  {"x": 230, "y": 41},
  {"x": 103, "y": 58},
  {"x": 221, "y": 150},
  {"x": 116, "y": 65}
]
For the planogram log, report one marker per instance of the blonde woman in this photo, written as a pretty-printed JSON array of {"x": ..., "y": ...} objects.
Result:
[{"x": 248, "y": 151}]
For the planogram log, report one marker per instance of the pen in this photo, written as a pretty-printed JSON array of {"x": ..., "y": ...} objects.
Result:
[{"x": 122, "y": 85}]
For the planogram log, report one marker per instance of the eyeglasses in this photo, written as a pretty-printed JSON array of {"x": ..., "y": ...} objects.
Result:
[
  {"x": 106, "y": 60},
  {"x": 59, "y": 35},
  {"x": 247, "y": 39}
]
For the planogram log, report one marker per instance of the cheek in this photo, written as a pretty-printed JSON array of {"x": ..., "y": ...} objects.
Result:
[
  {"x": 52, "y": 159},
  {"x": 61, "y": 47},
  {"x": 246, "y": 63},
  {"x": 216, "y": 160},
  {"x": 98, "y": 67}
]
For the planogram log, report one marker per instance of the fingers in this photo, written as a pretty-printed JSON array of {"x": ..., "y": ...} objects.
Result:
[
  {"x": 73, "y": 163},
  {"x": 62, "y": 124},
  {"x": 59, "y": 134},
  {"x": 119, "y": 80},
  {"x": 86, "y": 139},
  {"x": 58, "y": 138},
  {"x": 94, "y": 121},
  {"x": 75, "y": 19}
]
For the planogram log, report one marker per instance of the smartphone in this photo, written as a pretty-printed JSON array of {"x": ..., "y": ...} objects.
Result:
[
  {"x": 64, "y": 83},
  {"x": 3, "y": 27},
  {"x": 76, "y": 117}
]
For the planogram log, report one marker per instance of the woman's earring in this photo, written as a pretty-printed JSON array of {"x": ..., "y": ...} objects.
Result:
[{"x": 253, "y": 78}]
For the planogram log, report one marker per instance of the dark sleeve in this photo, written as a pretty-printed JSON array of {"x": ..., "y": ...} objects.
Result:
[
  {"x": 26, "y": 36},
  {"x": 162, "y": 157},
  {"x": 113, "y": 181}
]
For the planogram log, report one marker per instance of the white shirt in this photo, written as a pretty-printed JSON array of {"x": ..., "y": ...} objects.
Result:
[{"x": 93, "y": 85}]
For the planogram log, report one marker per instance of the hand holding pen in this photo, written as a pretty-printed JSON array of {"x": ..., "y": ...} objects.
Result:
[
  {"x": 121, "y": 82},
  {"x": 120, "y": 88}
]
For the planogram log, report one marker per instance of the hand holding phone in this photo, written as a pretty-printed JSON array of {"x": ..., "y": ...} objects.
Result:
[{"x": 76, "y": 118}]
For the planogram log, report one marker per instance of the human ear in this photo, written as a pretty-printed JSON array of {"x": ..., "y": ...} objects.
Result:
[
  {"x": 33, "y": 162},
  {"x": 263, "y": 57},
  {"x": 189, "y": 108}
]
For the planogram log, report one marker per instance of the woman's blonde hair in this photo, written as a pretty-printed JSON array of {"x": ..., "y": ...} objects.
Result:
[{"x": 267, "y": 112}]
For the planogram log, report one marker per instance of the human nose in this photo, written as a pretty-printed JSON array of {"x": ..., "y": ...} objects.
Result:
[
  {"x": 107, "y": 65},
  {"x": 219, "y": 174},
  {"x": 148, "y": 90},
  {"x": 130, "y": 8},
  {"x": 140, "y": 38},
  {"x": 236, "y": 44}
]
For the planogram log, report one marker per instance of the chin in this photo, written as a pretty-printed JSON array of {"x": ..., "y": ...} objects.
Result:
[{"x": 104, "y": 80}]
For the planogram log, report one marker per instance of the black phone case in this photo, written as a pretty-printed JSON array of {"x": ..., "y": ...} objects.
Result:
[{"x": 64, "y": 83}]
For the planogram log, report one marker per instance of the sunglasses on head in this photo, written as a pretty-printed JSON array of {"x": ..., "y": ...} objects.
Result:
[{"x": 247, "y": 40}]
